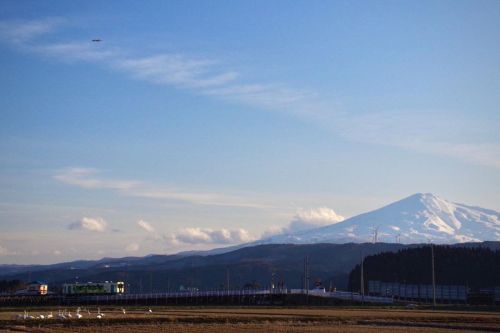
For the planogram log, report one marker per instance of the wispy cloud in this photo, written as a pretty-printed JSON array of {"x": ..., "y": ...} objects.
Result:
[
  {"x": 3, "y": 251},
  {"x": 88, "y": 178},
  {"x": 486, "y": 154},
  {"x": 132, "y": 247},
  {"x": 200, "y": 75},
  {"x": 427, "y": 132},
  {"x": 268, "y": 96},
  {"x": 22, "y": 31},
  {"x": 177, "y": 70},
  {"x": 95, "y": 224},
  {"x": 75, "y": 51},
  {"x": 213, "y": 78}
]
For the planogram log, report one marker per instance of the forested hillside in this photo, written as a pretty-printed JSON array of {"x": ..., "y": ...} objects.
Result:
[{"x": 476, "y": 267}]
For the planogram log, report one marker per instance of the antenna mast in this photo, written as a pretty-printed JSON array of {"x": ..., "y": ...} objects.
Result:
[{"x": 375, "y": 234}]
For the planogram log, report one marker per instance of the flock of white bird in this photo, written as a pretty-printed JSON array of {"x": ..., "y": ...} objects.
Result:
[{"x": 65, "y": 314}]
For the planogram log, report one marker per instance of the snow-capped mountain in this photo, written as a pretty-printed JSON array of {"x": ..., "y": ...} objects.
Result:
[{"x": 419, "y": 218}]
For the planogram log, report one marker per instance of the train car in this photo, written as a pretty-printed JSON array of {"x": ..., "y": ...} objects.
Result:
[
  {"x": 34, "y": 288},
  {"x": 94, "y": 288}
]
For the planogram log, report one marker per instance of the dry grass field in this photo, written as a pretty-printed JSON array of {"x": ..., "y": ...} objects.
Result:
[{"x": 247, "y": 320}]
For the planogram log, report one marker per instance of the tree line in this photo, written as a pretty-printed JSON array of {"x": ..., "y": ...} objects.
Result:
[
  {"x": 474, "y": 267},
  {"x": 10, "y": 286}
]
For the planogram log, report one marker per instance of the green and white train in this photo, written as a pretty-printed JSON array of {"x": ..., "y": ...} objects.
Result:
[{"x": 94, "y": 288}]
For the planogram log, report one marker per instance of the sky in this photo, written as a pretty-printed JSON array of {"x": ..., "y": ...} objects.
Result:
[{"x": 200, "y": 124}]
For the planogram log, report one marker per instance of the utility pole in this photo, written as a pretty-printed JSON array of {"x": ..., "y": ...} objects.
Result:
[
  {"x": 362, "y": 289},
  {"x": 306, "y": 276},
  {"x": 433, "y": 278},
  {"x": 398, "y": 238}
]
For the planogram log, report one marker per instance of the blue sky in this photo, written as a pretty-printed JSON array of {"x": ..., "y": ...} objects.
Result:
[{"x": 197, "y": 124}]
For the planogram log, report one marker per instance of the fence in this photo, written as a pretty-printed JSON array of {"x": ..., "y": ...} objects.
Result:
[
  {"x": 256, "y": 297},
  {"x": 444, "y": 293}
]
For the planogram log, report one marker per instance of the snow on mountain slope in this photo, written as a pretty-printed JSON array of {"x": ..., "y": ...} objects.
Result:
[{"x": 418, "y": 218}]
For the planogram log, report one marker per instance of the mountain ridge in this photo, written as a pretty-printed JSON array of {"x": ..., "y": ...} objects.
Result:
[
  {"x": 421, "y": 217},
  {"x": 331, "y": 263}
]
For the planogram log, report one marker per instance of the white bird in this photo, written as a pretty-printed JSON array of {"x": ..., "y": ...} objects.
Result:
[
  {"x": 50, "y": 316},
  {"x": 150, "y": 311},
  {"x": 42, "y": 317},
  {"x": 22, "y": 316},
  {"x": 123, "y": 310},
  {"x": 99, "y": 313},
  {"x": 60, "y": 315},
  {"x": 99, "y": 316}
]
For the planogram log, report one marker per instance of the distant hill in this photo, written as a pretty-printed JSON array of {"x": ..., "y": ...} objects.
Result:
[{"x": 258, "y": 265}]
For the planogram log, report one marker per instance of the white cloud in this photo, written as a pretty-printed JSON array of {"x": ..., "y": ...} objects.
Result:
[
  {"x": 56, "y": 252},
  {"x": 318, "y": 216},
  {"x": 306, "y": 219},
  {"x": 132, "y": 247},
  {"x": 145, "y": 226},
  {"x": 96, "y": 224},
  {"x": 210, "y": 236}
]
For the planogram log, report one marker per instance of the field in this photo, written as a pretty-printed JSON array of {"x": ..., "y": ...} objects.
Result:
[{"x": 247, "y": 320}]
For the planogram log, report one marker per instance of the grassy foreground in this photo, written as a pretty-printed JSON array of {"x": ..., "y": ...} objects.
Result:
[{"x": 261, "y": 320}]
